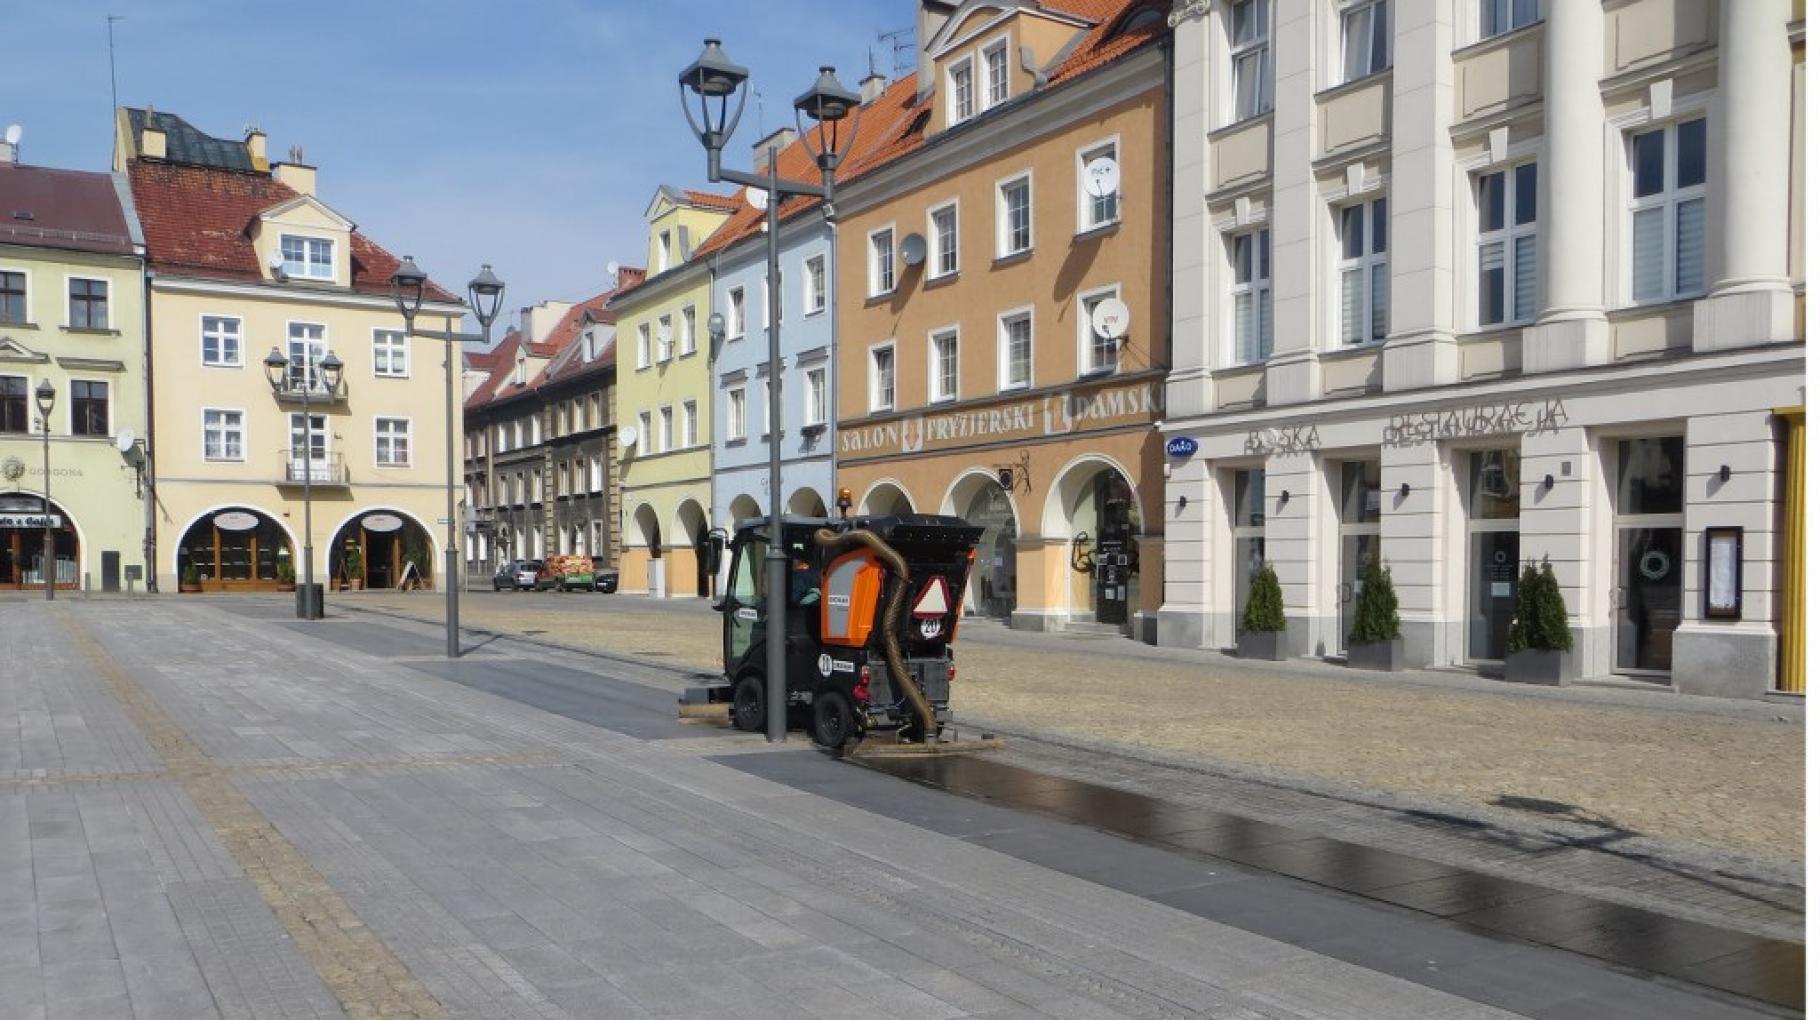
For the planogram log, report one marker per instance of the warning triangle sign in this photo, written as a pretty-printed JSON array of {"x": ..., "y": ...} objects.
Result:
[{"x": 933, "y": 602}]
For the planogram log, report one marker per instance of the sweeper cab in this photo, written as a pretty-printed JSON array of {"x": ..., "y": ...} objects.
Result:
[{"x": 873, "y": 603}]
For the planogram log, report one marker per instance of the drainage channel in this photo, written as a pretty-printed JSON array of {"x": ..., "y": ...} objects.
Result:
[{"x": 1766, "y": 970}]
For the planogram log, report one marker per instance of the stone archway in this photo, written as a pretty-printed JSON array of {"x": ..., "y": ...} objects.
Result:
[
  {"x": 978, "y": 497},
  {"x": 22, "y": 549},
  {"x": 806, "y": 502},
  {"x": 237, "y": 548},
  {"x": 743, "y": 508},
  {"x": 382, "y": 547},
  {"x": 886, "y": 497},
  {"x": 644, "y": 549},
  {"x": 689, "y": 535},
  {"x": 1093, "y": 506}
]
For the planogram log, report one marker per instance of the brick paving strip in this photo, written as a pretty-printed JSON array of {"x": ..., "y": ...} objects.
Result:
[{"x": 358, "y": 968}]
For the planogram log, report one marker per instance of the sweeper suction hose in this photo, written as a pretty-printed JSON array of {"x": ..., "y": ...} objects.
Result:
[{"x": 894, "y": 611}]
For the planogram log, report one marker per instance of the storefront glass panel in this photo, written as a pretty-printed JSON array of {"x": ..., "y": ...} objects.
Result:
[
  {"x": 1646, "y": 603},
  {"x": 1361, "y": 497},
  {"x": 1248, "y": 535},
  {"x": 1494, "y": 551},
  {"x": 994, "y": 576}
]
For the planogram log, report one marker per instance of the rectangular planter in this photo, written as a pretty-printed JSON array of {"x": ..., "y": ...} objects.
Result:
[
  {"x": 1538, "y": 667},
  {"x": 1383, "y": 656},
  {"x": 1271, "y": 645}
]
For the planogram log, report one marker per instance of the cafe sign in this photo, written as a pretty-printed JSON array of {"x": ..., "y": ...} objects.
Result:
[
  {"x": 1082, "y": 409},
  {"x": 31, "y": 522}
]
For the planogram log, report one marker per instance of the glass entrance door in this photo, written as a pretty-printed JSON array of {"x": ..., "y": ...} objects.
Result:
[
  {"x": 1360, "y": 498},
  {"x": 1494, "y": 549},
  {"x": 1646, "y": 592},
  {"x": 1247, "y": 536}
]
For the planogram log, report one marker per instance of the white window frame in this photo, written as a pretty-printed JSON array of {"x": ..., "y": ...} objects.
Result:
[
  {"x": 1002, "y": 47},
  {"x": 644, "y": 434},
  {"x": 1088, "y": 341},
  {"x": 687, "y": 343},
  {"x": 736, "y": 312},
  {"x": 881, "y": 273},
  {"x": 309, "y": 242},
  {"x": 815, "y": 396},
  {"x": 644, "y": 346},
  {"x": 1002, "y": 213},
  {"x": 1258, "y": 288},
  {"x": 1363, "y": 263},
  {"x": 240, "y": 429},
  {"x": 663, "y": 250},
  {"x": 221, "y": 338},
  {"x": 1669, "y": 199},
  {"x": 1381, "y": 9},
  {"x": 379, "y": 439},
  {"x": 763, "y": 385},
  {"x": 936, "y": 272},
  {"x": 691, "y": 425},
  {"x": 312, "y": 368},
  {"x": 873, "y": 401},
  {"x": 666, "y": 428},
  {"x": 1241, "y": 50},
  {"x": 957, "y": 111},
  {"x": 1481, "y": 29},
  {"x": 666, "y": 339},
  {"x": 30, "y": 292},
  {"x": 1505, "y": 238},
  {"x": 737, "y": 425},
  {"x": 936, "y": 379},
  {"x": 403, "y": 345},
  {"x": 107, "y": 301},
  {"x": 815, "y": 284},
  {"x": 293, "y": 435},
  {"x": 1084, "y": 203},
  {"x": 1005, "y": 383},
  {"x": 107, "y": 427}
]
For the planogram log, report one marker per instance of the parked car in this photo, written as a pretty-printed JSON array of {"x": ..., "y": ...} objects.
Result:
[
  {"x": 522, "y": 575},
  {"x": 606, "y": 579}
]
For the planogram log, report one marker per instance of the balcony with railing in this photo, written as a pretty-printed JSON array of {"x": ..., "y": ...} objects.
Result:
[
  {"x": 324, "y": 469},
  {"x": 301, "y": 384}
]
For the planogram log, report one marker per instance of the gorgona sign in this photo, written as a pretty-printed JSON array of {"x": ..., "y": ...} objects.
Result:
[{"x": 1057, "y": 414}]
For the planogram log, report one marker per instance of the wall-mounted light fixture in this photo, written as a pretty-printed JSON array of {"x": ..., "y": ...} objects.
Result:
[
  {"x": 1548, "y": 482},
  {"x": 1403, "y": 490},
  {"x": 1181, "y": 503},
  {"x": 1283, "y": 498},
  {"x": 1725, "y": 473}
]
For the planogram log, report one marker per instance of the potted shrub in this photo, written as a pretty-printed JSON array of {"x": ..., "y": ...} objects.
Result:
[
  {"x": 353, "y": 564},
  {"x": 1540, "y": 641},
  {"x": 191, "y": 581},
  {"x": 1376, "y": 641},
  {"x": 287, "y": 576},
  {"x": 1263, "y": 630}
]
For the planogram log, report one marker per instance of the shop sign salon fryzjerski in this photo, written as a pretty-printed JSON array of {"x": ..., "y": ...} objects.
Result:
[{"x": 1056, "y": 414}]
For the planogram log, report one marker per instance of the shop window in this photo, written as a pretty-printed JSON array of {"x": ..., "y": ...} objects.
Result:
[{"x": 1494, "y": 503}]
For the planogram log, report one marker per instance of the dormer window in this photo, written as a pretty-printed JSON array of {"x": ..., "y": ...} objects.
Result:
[
  {"x": 307, "y": 258},
  {"x": 960, "y": 90},
  {"x": 663, "y": 251},
  {"x": 998, "y": 73}
]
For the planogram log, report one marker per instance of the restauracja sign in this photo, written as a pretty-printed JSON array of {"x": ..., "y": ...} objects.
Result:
[{"x": 1057, "y": 414}]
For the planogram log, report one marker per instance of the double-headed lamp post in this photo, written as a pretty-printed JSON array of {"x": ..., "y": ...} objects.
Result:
[
  {"x": 277, "y": 372},
  {"x": 714, "y": 79},
  {"x": 46, "y": 396},
  {"x": 485, "y": 293}
]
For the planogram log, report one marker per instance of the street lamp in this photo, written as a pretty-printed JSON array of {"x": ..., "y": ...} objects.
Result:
[
  {"x": 46, "y": 395},
  {"x": 715, "y": 79},
  {"x": 277, "y": 372}
]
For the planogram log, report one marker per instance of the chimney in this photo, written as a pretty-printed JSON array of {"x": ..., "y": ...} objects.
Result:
[
  {"x": 151, "y": 140},
  {"x": 781, "y": 139},
  {"x": 871, "y": 87},
  {"x": 255, "y": 148},
  {"x": 295, "y": 173},
  {"x": 931, "y": 16}
]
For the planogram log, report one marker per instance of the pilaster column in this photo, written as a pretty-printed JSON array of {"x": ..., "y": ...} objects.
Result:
[
  {"x": 1293, "y": 375},
  {"x": 1751, "y": 300},
  {"x": 1412, "y": 537},
  {"x": 1420, "y": 350},
  {"x": 1558, "y": 526},
  {"x": 1190, "y": 386},
  {"x": 1572, "y": 330},
  {"x": 1292, "y": 544},
  {"x": 1190, "y": 508}
]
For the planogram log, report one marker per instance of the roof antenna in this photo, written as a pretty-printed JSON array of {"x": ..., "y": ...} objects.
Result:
[{"x": 113, "y": 86}]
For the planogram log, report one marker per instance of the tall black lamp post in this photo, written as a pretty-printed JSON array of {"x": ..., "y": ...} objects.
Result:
[
  {"x": 714, "y": 79},
  {"x": 278, "y": 373},
  {"x": 46, "y": 395}
]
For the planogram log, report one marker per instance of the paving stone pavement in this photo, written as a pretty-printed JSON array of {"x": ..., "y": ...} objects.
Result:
[{"x": 210, "y": 814}]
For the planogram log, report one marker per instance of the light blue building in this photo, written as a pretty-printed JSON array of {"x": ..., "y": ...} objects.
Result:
[{"x": 741, "y": 359}]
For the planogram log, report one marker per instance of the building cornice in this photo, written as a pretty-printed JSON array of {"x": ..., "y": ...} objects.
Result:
[{"x": 289, "y": 295}]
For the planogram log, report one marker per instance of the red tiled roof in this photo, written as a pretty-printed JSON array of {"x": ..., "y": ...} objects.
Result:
[
  {"x": 569, "y": 326},
  {"x": 198, "y": 222},
  {"x": 69, "y": 209},
  {"x": 725, "y": 203},
  {"x": 500, "y": 363}
]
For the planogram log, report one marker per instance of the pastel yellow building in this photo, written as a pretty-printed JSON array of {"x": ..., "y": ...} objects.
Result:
[
  {"x": 72, "y": 315},
  {"x": 242, "y": 259},
  {"x": 665, "y": 394}
]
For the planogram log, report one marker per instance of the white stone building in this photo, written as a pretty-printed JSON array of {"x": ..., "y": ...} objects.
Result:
[{"x": 1469, "y": 283}]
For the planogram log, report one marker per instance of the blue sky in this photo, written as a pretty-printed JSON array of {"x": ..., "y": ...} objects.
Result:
[{"x": 525, "y": 133}]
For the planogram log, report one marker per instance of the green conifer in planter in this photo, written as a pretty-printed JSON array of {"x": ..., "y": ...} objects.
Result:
[
  {"x": 1540, "y": 639},
  {"x": 1263, "y": 627},
  {"x": 1376, "y": 640}
]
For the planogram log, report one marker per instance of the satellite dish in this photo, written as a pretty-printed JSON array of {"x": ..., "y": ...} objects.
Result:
[
  {"x": 125, "y": 441},
  {"x": 914, "y": 250},
  {"x": 276, "y": 262},
  {"x": 628, "y": 437},
  {"x": 613, "y": 271},
  {"x": 13, "y": 133},
  {"x": 1111, "y": 319},
  {"x": 757, "y": 199},
  {"x": 1102, "y": 178}
]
